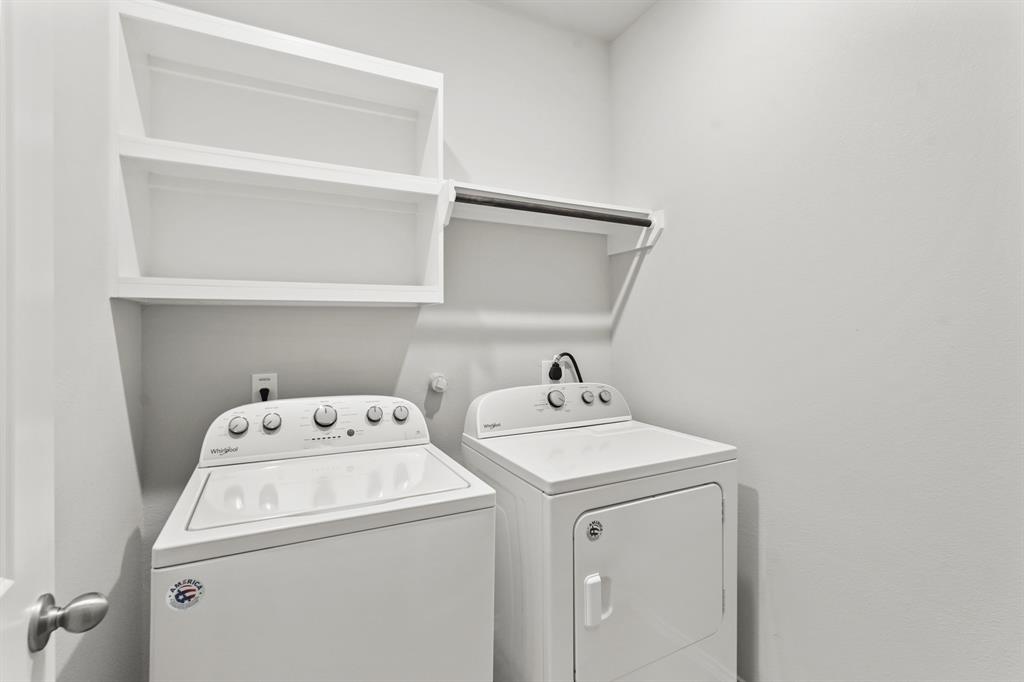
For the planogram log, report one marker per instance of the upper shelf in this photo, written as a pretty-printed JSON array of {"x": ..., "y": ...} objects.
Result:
[
  {"x": 627, "y": 228},
  {"x": 191, "y": 77}
]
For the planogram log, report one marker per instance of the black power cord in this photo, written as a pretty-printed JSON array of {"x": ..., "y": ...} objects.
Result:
[{"x": 555, "y": 373}]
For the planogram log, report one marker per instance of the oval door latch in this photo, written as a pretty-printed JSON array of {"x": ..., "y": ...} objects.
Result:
[
  {"x": 82, "y": 613},
  {"x": 594, "y": 530}
]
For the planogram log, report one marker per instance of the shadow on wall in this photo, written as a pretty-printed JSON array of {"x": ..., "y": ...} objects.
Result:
[
  {"x": 453, "y": 165},
  {"x": 127, "y": 320},
  {"x": 748, "y": 588},
  {"x": 124, "y": 619}
]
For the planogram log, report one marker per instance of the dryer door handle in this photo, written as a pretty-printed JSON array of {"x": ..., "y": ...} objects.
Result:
[{"x": 596, "y": 591}]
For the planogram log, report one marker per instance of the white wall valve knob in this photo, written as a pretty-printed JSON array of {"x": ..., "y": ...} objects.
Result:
[{"x": 438, "y": 382}]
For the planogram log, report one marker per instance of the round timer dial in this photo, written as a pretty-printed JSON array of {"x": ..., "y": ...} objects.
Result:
[
  {"x": 325, "y": 416},
  {"x": 271, "y": 422},
  {"x": 238, "y": 425}
]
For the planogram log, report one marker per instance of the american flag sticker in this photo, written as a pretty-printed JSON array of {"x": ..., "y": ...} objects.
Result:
[{"x": 185, "y": 594}]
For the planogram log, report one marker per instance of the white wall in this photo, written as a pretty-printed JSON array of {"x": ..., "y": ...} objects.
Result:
[
  {"x": 838, "y": 293},
  {"x": 526, "y": 107}
]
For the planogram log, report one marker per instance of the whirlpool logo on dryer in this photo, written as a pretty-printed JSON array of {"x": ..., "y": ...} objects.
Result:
[
  {"x": 223, "y": 451},
  {"x": 492, "y": 425}
]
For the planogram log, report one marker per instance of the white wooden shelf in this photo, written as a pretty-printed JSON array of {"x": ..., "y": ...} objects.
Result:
[
  {"x": 627, "y": 228},
  {"x": 203, "y": 224},
  {"x": 191, "y": 77},
  {"x": 176, "y": 290},
  {"x": 161, "y": 156},
  {"x": 261, "y": 168}
]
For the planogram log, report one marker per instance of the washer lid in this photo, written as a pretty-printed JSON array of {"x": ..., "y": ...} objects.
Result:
[
  {"x": 584, "y": 457},
  {"x": 246, "y": 507},
  {"x": 253, "y": 492}
]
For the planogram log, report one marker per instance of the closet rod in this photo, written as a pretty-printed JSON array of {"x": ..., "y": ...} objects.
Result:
[{"x": 521, "y": 205}]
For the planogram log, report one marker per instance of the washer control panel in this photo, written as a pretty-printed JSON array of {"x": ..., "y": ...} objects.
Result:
[
  {"x": 301, "y": 427},
  {"x": 526, "y": 409}
]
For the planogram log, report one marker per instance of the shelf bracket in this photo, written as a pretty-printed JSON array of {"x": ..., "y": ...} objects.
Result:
[{"x": 448, "y": 194}]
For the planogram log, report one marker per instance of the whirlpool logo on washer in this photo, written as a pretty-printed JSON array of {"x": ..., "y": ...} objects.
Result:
[
  {"x": 185, "y": 594},
  {"x": 492, "y": 425}
]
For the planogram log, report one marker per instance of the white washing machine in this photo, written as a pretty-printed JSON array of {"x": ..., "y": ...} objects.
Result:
[
  {"x": 325, "y": 539},
  {"x": 616, "y": 540}
]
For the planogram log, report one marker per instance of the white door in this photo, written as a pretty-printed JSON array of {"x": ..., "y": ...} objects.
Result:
[
  {"x": 26, "y": 341},
  {"x": 648, "y": 580}
]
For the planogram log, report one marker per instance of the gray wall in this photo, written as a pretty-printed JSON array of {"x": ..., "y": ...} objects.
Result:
[{"x": 839, "y": 294}]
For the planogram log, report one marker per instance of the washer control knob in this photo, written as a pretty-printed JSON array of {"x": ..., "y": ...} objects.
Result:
[
  {"x": 400, "y": 414},
  {"x": 325, "y": 416},
  {"x": 271, "y": 421},
  {"x": 587, "y": 396},
  {"x": 238, "y": 425},
  {"x": 374, "y": 414},
  {"x": 605, "y": 396},
  {"x": 556, "y": 398}
]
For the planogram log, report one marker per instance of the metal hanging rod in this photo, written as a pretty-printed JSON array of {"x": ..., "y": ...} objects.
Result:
[{"x": 467, "y": 197}]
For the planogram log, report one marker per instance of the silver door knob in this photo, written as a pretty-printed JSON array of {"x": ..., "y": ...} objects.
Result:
[{"x": 82, "y": 613}]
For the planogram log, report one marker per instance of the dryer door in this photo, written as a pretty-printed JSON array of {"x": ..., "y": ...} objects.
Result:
[{"x": 648, "y": 580}]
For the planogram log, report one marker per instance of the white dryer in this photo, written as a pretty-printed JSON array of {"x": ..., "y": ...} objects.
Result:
[
  {"x": 616, "y": 540},
  {"x": 324, "y": 539}
]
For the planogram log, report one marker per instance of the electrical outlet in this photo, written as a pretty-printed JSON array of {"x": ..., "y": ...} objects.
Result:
[
  {"x": 545, "y": 367},
  {"x": 267, "y": 380}
]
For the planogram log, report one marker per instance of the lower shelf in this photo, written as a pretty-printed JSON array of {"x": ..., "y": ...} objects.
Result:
[{"x": 172, "y": 290}]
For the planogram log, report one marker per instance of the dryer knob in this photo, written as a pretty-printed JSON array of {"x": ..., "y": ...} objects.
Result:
[
  {"x": 587, "y": 396},
  {"x": 605, "y": 396},
  {"x": 375, "y": 414},
  {"x": 238, "y": 425},
  {"x": 400, "y": 414},
  {"x": 556, "y": 398},
  {"x": 325, "y": 416}
]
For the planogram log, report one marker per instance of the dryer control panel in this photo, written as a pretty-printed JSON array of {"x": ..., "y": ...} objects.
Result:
[
  {"x": 302, "y": 427},
  {"x": 545, "y": 407}
]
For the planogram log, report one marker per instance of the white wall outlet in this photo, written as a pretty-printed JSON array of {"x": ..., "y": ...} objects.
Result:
[
  {"x": 545, "y": 367},
  {"x": 267, "y": 380}
]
